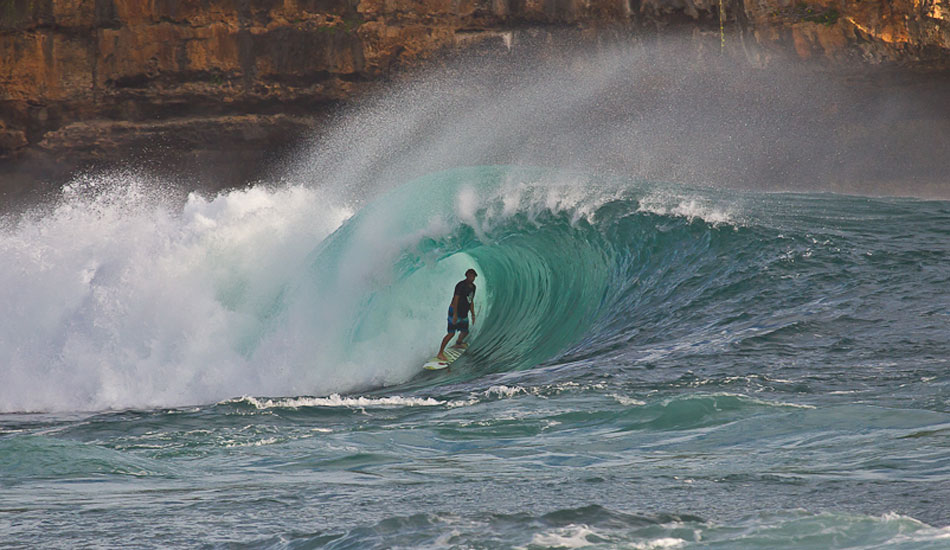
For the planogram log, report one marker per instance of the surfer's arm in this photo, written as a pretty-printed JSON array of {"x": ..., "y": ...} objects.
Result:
[
  {"x": 472, "y": 311},
  {"x": 455, "y": 308}
]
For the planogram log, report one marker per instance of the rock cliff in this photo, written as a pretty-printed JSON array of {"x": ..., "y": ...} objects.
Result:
[{"x": 228, "y": 83}]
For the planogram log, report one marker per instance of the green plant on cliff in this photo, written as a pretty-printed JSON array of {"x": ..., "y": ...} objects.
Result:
[
  {"x": 827, "y": 17},
  {"x": 347, "y": 24},
  {"x": 822, "y": 16},
  {"x": 352, "y": 22}
]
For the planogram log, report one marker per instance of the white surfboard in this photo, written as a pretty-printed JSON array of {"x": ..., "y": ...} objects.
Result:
[{"x": 436, "y": 364}]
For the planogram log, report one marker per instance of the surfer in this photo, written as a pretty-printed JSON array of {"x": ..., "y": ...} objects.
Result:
[{"x": 463, "y": 303}]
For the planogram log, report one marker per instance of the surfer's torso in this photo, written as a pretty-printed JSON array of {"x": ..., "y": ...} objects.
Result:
[{"x": 466, "y": 294}]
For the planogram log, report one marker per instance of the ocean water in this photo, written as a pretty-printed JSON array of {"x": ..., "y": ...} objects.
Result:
[{"x": 653, "y": 366}]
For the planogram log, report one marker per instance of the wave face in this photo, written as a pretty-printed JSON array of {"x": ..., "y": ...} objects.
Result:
[{"x": 125, "y": 300}]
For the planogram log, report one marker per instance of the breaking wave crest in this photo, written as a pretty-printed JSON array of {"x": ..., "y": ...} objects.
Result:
[{"x": 124, "y": 302}]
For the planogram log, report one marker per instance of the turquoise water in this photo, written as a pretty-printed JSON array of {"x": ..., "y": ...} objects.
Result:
[{"x": 652, "y": 367}]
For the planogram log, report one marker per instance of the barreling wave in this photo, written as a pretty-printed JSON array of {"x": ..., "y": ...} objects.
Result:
[
  {"x": 127, "y": 301},
  {"x": 123, "y": 302},
  {"x": 569, "y": 267}
]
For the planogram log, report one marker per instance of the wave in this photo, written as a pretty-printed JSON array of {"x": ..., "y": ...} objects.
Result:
[
  {"x": 40, "y": 457},
  {"x": 563, "y": 260},
  {"x": 120, "y": 300},
  {"x": 598, "y": 527}
]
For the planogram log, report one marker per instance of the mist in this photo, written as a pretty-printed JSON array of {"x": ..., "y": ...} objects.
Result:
[{"x": 665, "y": 110}]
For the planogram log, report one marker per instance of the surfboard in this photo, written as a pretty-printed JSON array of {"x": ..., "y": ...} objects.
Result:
[{"x": 436, "y": 364}]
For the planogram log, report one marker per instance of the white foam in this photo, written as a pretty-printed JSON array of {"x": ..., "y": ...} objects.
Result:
[
  {"x": 655, "y": 544},
  {"x": 571, "y": 536},
  {"x": 118, "y": 298},
  {"x": 897, "y": 517},
  {"x": 503, "y": 391},
  {"x": 689, "y": 207},
  {"x": 257, "y": 443},
  {"x": 534, "y": 196},
  {"x": 628, "y": 401},
  {"x": 739, "y": 397},
  {"x": 336, "y": 400}
]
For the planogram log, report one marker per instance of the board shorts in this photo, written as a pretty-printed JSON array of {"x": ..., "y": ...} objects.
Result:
[{"x": 461, "y": 326}]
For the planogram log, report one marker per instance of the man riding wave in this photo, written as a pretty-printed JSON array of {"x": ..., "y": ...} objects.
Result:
[{"x": 463, "y": 303}]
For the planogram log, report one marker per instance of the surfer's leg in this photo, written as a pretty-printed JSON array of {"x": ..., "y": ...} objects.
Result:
[
  {"x": 451, "y": 329},
  {"x": 441, "y": 356},
  {"x": 460, "y": 343}
]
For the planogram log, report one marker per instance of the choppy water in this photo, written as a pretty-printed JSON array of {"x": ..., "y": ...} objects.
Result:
[{"x": 653, "y": 367}]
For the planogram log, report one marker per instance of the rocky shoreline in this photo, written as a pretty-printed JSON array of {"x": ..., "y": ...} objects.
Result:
[{"x": 217, "y": 90}]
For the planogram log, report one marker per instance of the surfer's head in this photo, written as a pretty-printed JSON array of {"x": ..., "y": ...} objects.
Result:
[{"x": 470, "y": 275}]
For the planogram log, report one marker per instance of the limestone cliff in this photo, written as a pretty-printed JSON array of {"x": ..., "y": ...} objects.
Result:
[{"x": 83, "y": 81}]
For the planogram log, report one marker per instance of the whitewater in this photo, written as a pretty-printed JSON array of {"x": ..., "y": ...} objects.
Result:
[{"x": 657, "y": 363}]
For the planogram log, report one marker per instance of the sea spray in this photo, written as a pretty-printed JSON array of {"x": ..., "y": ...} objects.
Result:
[{"x": 120, "y": 299}]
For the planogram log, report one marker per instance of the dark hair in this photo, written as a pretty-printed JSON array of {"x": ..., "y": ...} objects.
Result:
[{"x": 472, "y": 271}]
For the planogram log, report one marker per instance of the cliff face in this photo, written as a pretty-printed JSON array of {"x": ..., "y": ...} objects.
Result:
[
  {"x": 83, "y": 81},
  {"x": 907, "y": 31}
]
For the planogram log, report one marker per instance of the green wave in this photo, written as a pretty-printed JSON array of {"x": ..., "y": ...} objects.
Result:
[
  {"x": 581, "y": 268},
  {"x": 567, "y": 265}
]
